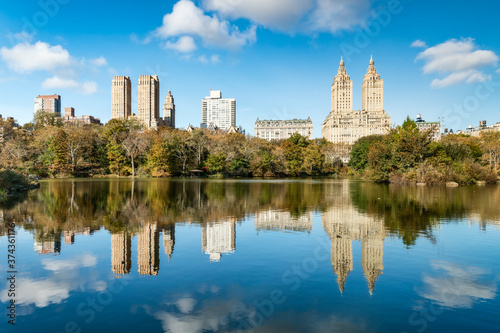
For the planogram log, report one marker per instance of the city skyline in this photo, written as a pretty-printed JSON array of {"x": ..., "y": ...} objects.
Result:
[{"x": 277, "y": 63}]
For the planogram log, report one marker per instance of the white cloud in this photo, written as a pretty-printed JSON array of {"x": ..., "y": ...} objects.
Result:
[
  {"x": 184, "y": 44},
  {"x": 134, "y": 38},
  {"x": 186, "y": 304},
  {"x": 41, "y": 293},
  {"x": 214, "y": 59},
  {"x": 334, "y": 15},
  {"x": 58, "y": 82},
  {"x": 86, "y": 87},
  {"x": 280, "y": 14},
  {"x": 498, "y": 71},
  {"x": 22, "y": 36},
  {"x": 293, "y": 16},
  {"x": 203, "y": 59},
  {"x": 25, "y": 57},
  {"x": 459, "y": 60},
  {"x": 459, "y": 287},
  {"x": 418, "y": 43},
  {"x": 85, "y": 260},
  {"x": 188, "y": 20},
  {"x": 54, "y": 289},
  {"x": 101, "y": 61}
]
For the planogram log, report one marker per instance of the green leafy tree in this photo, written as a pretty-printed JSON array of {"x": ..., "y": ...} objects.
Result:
[{"x": 216, "y": 163}]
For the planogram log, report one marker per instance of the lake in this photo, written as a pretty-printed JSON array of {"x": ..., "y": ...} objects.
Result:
[{"x": 123, "y": 255}]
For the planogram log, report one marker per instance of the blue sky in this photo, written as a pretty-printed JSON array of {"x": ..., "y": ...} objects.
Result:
[{"x": 277, "y": 58}]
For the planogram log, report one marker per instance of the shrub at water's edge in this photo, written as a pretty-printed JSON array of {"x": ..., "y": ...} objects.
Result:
[
  {"x": 406, "y": 155},
  {"x": 12, "y": 182}
]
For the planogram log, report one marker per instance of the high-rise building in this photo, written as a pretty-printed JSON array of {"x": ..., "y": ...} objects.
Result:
[
  {"x": 344, "y": 124},
  {"x": 283, "y": 129},
  {"x": 218, "y": 112},
  {"x": 373, "y": 90},
  {"x": 49, "y": 104},
  {"x": 148, "y": 110},
  {"x": 169, "y": 110},
  {"x": 121, "y": 98},
  {"x": 342, "y": 90}
]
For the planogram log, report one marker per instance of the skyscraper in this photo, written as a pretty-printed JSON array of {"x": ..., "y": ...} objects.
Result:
[
  {"x": 218, "y": 112},
  {"x": 121, "y": 98},
  {"x": 342, "y": 90},
  {"x": 343, "y": 124},
  {"x": 373, "y": 90},
  {"x": 49, "y": 104},
  {"x": 169, "y": 110},
  {"x": 148, "y": 110}
]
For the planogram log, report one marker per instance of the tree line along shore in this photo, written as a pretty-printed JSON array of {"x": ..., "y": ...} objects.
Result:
[{"x": 49, "y": 148}]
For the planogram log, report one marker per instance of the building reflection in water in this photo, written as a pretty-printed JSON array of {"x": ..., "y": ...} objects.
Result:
[
  {"x": 169, "y": 240},
  {"x": 218, "y": 238},
  {"x": 47, "y": 242},
  {"x": 148, "y": 247},
  {"x": 277, "y": 220},
  {"x": 345, "y": 224},
  {"x": 121, "y": 256},
  {"x": 69, "y": 237}
]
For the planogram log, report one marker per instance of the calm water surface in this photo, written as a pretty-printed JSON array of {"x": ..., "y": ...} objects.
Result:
[{"x": 252, "y": 256}]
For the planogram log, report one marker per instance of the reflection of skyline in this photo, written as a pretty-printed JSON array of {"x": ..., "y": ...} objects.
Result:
[
  {"x": 218, "y": 238},
  {"x": 278, "y": 220},
  {"x": 344, "y": 224},
  {"x": 148, "y": 247},
  {"x": 47, "y": 242},
  {"x": 169, "y": 240},
  {"x": 121, "y": 248}
]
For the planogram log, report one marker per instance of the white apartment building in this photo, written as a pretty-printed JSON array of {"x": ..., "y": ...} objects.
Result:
[
  {"x": 283, "y": 129},
  {"x": 218, "y": 112}
]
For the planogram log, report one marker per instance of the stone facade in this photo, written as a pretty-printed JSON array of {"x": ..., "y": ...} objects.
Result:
[
  {"x": 283, "y": 129},
  {"x": 148, "y": 110},
  {"x": 169, "y": 110},
  {"x": 344, "y": 124},
  {"x": 121, "y": 98}
]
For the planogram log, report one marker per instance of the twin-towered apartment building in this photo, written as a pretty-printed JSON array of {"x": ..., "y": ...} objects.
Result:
[
  {"x": 343, "y": 124},
  {"x": 148, "y": 105}
]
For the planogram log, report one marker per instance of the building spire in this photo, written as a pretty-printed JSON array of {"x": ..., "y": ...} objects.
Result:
[{"x": 341, "y": 61}]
